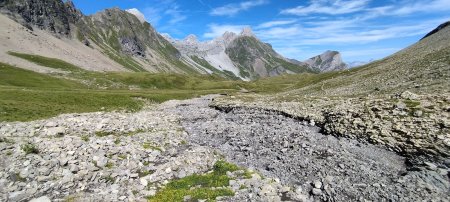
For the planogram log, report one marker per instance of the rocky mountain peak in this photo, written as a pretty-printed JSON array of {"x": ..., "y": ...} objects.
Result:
[
  {"x": 327, "y": 61},
  {"x": 191, "y": 39},
  {"x": 247, "y": 31},
  {"x": 228, "y": 35}
]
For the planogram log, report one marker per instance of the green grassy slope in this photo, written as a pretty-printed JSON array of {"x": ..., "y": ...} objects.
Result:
[
  {"x": 27, "y": 95},
  {"x": 422, "y": 68},
  {"x": 47, "y": 62}
]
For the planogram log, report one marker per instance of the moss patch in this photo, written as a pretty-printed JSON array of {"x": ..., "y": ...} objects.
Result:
[{"x": 207, "y": 186}]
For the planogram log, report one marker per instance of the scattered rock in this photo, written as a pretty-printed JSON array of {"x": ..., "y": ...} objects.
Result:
[
  {"x": 55, "y": 131},
  {"x": 408, "y": 95}
]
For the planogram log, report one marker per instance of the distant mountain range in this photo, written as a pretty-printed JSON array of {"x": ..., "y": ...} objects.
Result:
[{"x": 124, "y": 41}]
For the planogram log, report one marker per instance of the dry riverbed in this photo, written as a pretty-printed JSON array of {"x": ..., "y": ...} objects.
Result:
[{"x": 183, "y": 144}]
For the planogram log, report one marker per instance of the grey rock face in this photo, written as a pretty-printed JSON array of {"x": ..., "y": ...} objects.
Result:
[
  {"x": 52, "y": 15},
  {"x": 327, "y": 61},
  {"x": 132, "y": 47}
]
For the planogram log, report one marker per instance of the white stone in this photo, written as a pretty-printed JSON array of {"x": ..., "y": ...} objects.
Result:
[
  {"x": 143, "y": 182},
  {"x": 41, "y": 199}
]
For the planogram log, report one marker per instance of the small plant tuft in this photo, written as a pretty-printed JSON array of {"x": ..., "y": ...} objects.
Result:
[
  {"x": 103, "y": 133},
  {"x": 148, "y": 145},
  {"x": 109, "y": 165},
  {"x": 30, "y": 148}
]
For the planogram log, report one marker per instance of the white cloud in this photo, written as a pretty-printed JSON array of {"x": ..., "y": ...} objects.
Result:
[
  {"x": 275, "y": 23},
  {"x": 233, "y": 9},
  {"x": 176, "y": 15},
  {"x": 330, "y": 7},
  {"x": 422, "y": 6},
  {"x": 137, "y": 13},
  {"x": 166, "y": 10},
  {"x": 216, "y": 30},
  {"x": 152, "y": 15}
]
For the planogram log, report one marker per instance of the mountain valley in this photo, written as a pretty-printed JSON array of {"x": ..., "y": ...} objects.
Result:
[{"x": 103, "y": 107}]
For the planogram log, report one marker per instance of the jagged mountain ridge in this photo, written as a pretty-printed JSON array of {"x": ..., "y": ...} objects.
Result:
[
  {"x": 127, "y": 39},
  {"x": 248, "y": 57},
  {"x": 131, "y": 42}
]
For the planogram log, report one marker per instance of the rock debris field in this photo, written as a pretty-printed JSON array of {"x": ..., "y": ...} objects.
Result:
[{"x": 118, "y": 156}]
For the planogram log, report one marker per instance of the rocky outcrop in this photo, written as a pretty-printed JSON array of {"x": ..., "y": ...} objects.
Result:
[
  {"x": 52, "y": 15},
  {"x": 327, "y": 61}
]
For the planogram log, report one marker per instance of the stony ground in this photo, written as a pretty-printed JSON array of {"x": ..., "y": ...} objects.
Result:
[
  {"x": 415, "y": 125},
  {"x": 130, "y": 156}
]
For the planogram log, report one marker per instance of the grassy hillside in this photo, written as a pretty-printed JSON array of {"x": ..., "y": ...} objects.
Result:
[
  {"x": 47, "y": 62},
  {"x": 27, "y": 95},
  {"x": 422, "y": 68}
]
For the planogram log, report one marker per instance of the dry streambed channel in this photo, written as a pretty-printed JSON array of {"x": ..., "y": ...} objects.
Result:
[
  {"x": 188, "y": 145},
  {"x": 321, "y": 166}
]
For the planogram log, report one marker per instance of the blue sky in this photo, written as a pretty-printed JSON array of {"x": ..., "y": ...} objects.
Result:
[{"x": 360, "y": 29}]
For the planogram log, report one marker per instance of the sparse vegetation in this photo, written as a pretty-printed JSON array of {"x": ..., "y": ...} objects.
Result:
[
  {"x": 143, "y": 173},
  {"x": 85, "y": 138},
  {"x": 117, "y": 141},
  {"x": 30, "y": 148},
  {"x": 17, "y": 178},
  {"x": 131, "y": 133},
  {"x": 103, "y": 133},
  {"x": 149, "y": 145},
  {"x": 108, "y": 179},
  {"x": 411, "y": 103},
  {"x": 109, "y": 165},
  {"x": 205, "y": 186}
]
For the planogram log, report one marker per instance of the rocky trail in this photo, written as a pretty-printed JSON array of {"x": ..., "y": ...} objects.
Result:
[{"x": 118, "y": 156}]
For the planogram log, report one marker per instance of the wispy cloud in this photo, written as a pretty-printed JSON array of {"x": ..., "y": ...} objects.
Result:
[
  {"x": 276, "y": 23},
  {"x": 233, "y": 9},
  {"x": 421, "y": 6},
  {"x": 152, "y": 15},
  {"x": 166, "y": 10},
  {"x": 340, "y": 35},
  {"x": 330, "y": 7},
  {"x": 175, "y": 14},
  {"x": 216, "y": 30}
]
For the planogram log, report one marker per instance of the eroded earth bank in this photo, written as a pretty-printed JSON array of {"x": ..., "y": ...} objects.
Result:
[{"x": 180, "y": 145}]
